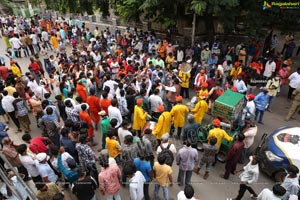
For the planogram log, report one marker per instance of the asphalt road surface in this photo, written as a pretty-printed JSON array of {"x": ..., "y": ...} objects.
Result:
[{"x": 214, "y": 188}]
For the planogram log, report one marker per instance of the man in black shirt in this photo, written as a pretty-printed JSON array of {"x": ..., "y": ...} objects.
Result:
[{"x": 84, "y": 188}]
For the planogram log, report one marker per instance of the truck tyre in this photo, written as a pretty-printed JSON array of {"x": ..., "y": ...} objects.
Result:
[
  {"x": 279, "y": 176},
  {"x": 221, "y": 157}
]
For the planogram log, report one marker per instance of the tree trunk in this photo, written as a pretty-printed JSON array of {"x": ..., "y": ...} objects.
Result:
[{"x": 210, "y": 28}]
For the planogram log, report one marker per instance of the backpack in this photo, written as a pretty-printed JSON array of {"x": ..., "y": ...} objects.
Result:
[{"x": 167, "y": 153}]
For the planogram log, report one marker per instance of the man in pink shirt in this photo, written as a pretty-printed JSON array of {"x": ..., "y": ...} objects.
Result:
[{"x": 109, "y": 179}]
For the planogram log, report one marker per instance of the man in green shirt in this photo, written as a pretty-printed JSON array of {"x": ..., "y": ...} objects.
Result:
[{"x": 105, "y": 123}]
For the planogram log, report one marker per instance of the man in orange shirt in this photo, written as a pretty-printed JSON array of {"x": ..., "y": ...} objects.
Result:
[
  {"x": 105, "y": 102},
  {"x": 94, "y": 104},
  {"x": 81, "y": 91},
  {"x": 84, "y": 116}
]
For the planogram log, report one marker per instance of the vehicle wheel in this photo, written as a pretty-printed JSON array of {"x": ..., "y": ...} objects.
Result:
[
  {"x": 200, "y": 146},
  {"x": 279, "y": 176},
  {"x": 221, "y": 157}
]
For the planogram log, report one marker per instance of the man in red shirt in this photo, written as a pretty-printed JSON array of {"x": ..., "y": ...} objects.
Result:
[
  {"x": 35, "y": 69},
  {"x": 37, "y": 144},
  {"x": 84, "y": 116},
  {"x": 3, "y": 72}
]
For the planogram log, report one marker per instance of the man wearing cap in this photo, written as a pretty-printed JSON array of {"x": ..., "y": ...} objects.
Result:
[
  {"x": 44, "y": 168},
  {"x": 236, "y": 70},
  {"x": 105, "y": 123},
  {"x": 261, "y": 101},
  {"x": 200, "y": 108},
  {"x": 291, "y": 182},
  {"x": 200, "y": 79},
  {"x": 203, "y": 90},
  {"x": 178, "y": 113},
  {"x": 276, "y": 194},
  {"x": 249, "y": 109},
  {"x": 163, "y": 124},
  {"x": 218, "y": 133},
  {"x": 139, "y": 117}
]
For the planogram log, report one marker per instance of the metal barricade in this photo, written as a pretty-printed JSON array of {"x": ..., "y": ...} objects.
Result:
[{"x": 8, "y": 182}]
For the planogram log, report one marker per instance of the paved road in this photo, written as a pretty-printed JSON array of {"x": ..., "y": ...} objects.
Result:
[{"x": 214, "y": 188}]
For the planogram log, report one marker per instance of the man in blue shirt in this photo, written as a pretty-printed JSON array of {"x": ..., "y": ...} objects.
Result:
[
  {"x": 261, "y": 101},
  {"x": 142, "y": 164},
  {"x": 72, "y": 173}
]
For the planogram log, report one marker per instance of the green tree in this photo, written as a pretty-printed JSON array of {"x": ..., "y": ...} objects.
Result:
[{"x": 210, "y": 10}]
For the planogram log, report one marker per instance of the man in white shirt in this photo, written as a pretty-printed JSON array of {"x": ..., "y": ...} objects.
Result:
[
  {"x": 29, "y": 163},
  {"x": 165, "y": 143},
  {"x": 240, "y": 85},
  {"x": 270, "y": 68},
  {"x": 114, "y": 112},
  {"x": 16, "y": 45},
  {"x": 249, "y": 176},
  {"x": 111, "y": 84},
  {"x": 294, "y": 79},
  {"x": 32, "y": 84},
  {"x": 34, "y": 39},
  {"x": 7, "y": 105},
  {"x": 276, "y": 194},
  {"x": 123, "y": 131},
  {"x": 155, "y": 101},
  {"x": 136, "y": 182},
  {"x": 187, "y": 193},
  {"x": 291, "y": 182},
  {"x": 45, "y": 170},
  {"x": 45, "y": 39},
  {"x": 41, "y": 91}
]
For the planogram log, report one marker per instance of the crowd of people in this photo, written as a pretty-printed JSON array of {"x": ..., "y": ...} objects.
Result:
[{"x": 114, "y": 83}]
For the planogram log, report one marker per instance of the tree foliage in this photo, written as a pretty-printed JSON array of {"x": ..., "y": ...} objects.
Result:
[
  {"x": 77, "y": 6},
  {"x": 247, "y": 13}
]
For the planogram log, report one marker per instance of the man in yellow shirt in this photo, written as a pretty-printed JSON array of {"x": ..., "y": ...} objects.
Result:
[
  {"x": 178, "y": 113},
  {"x": 200, "y": 108},
  {"x": 139, "y": 117},
  {"x": 236, "y": 70},
  {"x": 10, "y": 88},
  {"x": 163, "y": 123},
  {"x": 163, "y": 176},
  {"x": 218, "y": 133},
  {"x": 112, "y": 145},
  {"x": 185, "y": 82},
  {"x": 15, "y": 69}
]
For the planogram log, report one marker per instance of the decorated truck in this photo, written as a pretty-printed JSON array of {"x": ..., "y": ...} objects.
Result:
[{"x": 228, "y": 108}]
